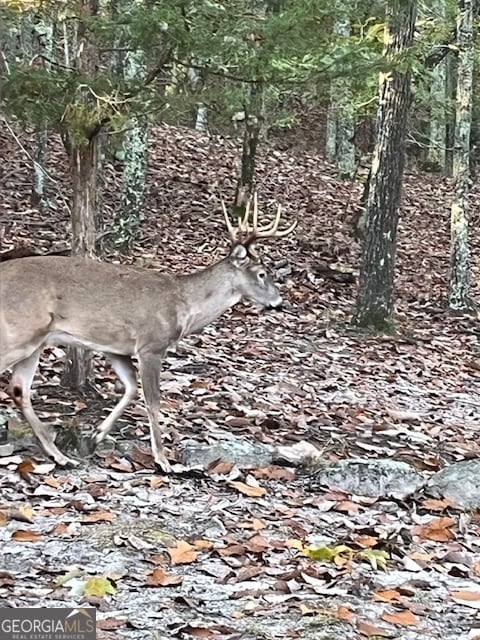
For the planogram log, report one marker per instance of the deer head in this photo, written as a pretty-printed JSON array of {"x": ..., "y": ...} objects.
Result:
[{"x": 256, "y": 284}]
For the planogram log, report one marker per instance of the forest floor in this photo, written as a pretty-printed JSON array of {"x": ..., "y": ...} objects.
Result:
[{"x": 222, "y": 554}]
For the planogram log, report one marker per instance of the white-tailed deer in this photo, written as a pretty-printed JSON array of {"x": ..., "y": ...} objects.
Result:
[{"x": 121, "y": 311}]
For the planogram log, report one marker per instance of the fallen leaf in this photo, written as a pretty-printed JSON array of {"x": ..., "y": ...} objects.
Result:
[
  {"x": 248, "y": 490},
  {"x": 182, "y": 553},
  {"x": 26, "y": 536},
  {"x": 99, "y": 587},
  {"x": 99, "y": 516},
  {"x": 158, "y": 578},
  {"x": 404, "y": 618},
  {"x": 387, "y": 595},
  {"x": 467, "y": 598},
  {"x": 438, "y": 529},
  {"x": 367, "y": 629}
]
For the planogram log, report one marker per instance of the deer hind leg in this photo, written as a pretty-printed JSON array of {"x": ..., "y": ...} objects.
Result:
[
  {"x": 149, "y": 365},
  {"x": 123, "y": 367},
  {"x": 20, "y": 386}
]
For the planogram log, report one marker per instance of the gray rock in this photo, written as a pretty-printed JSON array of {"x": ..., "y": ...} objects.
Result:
[
  {"x": 241, "y": 453},
  {"x": 459, "y": 482},
  {"x": 375, "y": 477}
]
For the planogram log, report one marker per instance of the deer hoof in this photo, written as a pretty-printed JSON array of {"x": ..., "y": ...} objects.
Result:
[
  {"x": 63, "y": 461},
  {"x": 163, "y": 466}
]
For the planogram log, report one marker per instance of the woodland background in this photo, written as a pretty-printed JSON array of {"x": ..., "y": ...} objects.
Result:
[{"x": 123, "y": 124}]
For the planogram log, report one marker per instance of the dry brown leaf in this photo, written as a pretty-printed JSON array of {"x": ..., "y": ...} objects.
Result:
[
  {"x": 367, "y": 629},
  {"x": 26, "y": 536},
  {"x": 220, "y": 467},
  {"x": 232, "y": 550},
  {"x": 248, "y": 490},
  {"x": 403, "y": 618},
  {"x": 109, "y": 624},
  {"x": 258, "y": 543},
  {"x": 23, "y": 514},
  {"x": 466, "y": 595},
  {"x": 59, "y": 530},
  {"x": 437, "y": 529},
  {"x": 467, "y": 598},
  {"x": 366, "y": 542},
  {"x": 99, "y": 516},
  {"x": 344, "y": 613},
  {"x": 387, "y": 595},
  {"x": 274, "y": 473},
  {"x": 158, "y": 578},
  {"x": 182, "y": 553},
  {"x": 432, "y": 504},
  {"x": 347, "y": 506},
  {"x": 118, "y": 465},
  {"x": 256, "y": 524},
  {"x": 203, "y": 545},
  {"x": 52, "y": 482},
  {"x": 156, "y": 481}
]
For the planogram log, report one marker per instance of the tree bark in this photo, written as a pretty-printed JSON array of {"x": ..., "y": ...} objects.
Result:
[
  {"x": 437, "y": 138},
  {"x": 82, "y": 150},
  {"x": 251, "y": 135},
  {"x": 340, "y": 149},
  {"x": 459, "y": 297},
  {"x": 135, "y": 144},
  {"x": 375, "y": 299}
]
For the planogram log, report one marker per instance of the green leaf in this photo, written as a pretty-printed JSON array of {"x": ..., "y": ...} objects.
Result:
[
  {"x": 376, "y": 557},
  {"x": 99, "y": 587},
  {"x": 326, "y": 554}
]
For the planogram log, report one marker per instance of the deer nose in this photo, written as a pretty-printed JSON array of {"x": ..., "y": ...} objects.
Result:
[{"x": 276, "y": 305}]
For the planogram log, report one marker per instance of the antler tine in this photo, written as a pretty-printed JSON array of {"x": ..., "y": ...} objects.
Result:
[
  {"x": 255, "y": 214},
  {"x": 271, "y": 230},
  {"x": 230, "y": 228},
  {"x": 243, "y": 222}
]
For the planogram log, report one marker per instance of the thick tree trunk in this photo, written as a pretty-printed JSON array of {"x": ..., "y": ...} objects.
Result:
[
  {"x": 83, "y": 171},
  {"x": 375, "y": 300},
  {"x": 459, "y": 298}
]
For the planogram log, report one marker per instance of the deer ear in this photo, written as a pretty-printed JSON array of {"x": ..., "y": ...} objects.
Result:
[{"x": 238, "y": 255}]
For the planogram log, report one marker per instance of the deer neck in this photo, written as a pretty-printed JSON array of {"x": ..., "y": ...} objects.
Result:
[{"x": 207, "y": 294}]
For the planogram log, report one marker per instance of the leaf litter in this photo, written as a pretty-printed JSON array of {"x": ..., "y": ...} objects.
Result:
[{"x": 230, "y": 548}]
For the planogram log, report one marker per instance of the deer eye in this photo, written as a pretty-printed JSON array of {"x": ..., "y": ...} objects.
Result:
[{"x": 262, "y": 275}]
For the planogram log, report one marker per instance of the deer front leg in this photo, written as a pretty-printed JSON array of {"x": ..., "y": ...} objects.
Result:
[
  {"x": 20, "y": 385},
  {"x": 149, "y": 365}
]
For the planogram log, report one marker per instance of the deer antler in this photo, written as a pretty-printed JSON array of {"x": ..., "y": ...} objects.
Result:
[{"x": 253, "y": 233}]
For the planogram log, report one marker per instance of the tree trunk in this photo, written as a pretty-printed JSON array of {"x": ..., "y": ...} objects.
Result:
[
  {"x": 251, "y": 135},
  {"x": 459, "y": 298},
  {"x": 82, "y": 150},
  {"x": 340, "y": 149},
  {"x": 437, "y": 138},
  {"x": 451, "y": 90},
  {"x": 37, "y": 197},
  {"x": 135, "y": 144},
  {"x": 83, "y": 171},
  {"x": 375, "y": 299}
]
